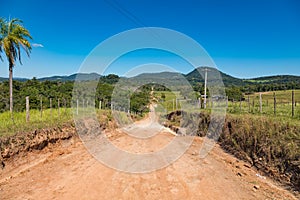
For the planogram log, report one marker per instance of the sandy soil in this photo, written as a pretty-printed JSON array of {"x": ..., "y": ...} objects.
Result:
[{"x": 67, "y": 171}]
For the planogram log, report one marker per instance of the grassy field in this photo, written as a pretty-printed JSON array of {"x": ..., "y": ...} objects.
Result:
[
  {"x": 283, "y": 104},
  {"x": 19, "y": 124},
  {"x": 284, "y": 96},
  {"x": 48, "y": 119},
  {"x": 166, "y": 103}
]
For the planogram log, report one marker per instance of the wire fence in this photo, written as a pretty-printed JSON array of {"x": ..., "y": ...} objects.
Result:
[{"x": 285, "y": 104}]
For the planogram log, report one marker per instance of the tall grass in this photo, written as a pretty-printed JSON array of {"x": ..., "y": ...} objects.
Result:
[
  {"x": 9, "y": 126},
  {"x": 273, "y": 146},
  {"x": 48, "y": 119}
]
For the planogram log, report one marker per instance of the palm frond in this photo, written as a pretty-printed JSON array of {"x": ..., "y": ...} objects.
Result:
[
  {"x": 21, "y": 31},
  {"x": 13, "y": 37}
]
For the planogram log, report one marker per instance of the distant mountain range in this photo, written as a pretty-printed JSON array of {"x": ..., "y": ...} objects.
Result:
[
  {"x": 79, "y": 76},
  {"x": 15, "y": 78},
  {"x": 192, "y": 77}
]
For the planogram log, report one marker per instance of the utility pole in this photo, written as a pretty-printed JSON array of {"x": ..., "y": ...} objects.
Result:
[{"x": 205, "y": 86}]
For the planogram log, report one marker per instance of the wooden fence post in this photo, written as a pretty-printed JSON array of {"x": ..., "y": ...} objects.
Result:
[
  {"x": 200, "y": 102},
  {"x": 51, "y": 107},
  {"x": 173, "y": 104},
  {"x": 100, "y": 105},
  {"x": 274, "y": 103},
  {"x": 260, "y": 103},
  {"x": 77, "y": 106},
  {"x": 65, "y": 105},
  {"x": 58, "y": 105},
  {"x": 241, "y": 104},
  {"x": 293, "y": 103},
  {"x": 27, "y": 109},
  {"x": 41, "y": 101},
  {"x": 248, "y": 103},
  {"x": 226, "y": 101}
]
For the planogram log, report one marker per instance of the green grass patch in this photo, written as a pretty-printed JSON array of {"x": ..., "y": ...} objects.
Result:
[
  {"x": 48, "y": 119},
  {"x": 283, "y": 104},
  {"x": 166, "y": 100},
  {"x": 37, "y": 121},
  {"x": 283, "y": 96}
]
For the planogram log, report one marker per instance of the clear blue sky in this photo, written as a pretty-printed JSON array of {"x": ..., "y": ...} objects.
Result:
[{"x": 245, "y": 38}]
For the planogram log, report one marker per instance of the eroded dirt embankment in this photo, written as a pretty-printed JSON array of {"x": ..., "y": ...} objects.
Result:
[
  {"x": 272, "y": 147},
  {"x": 21, "y": 143}
]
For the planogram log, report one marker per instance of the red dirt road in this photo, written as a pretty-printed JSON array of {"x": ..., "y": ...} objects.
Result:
[{"x": 68, "y": 171}]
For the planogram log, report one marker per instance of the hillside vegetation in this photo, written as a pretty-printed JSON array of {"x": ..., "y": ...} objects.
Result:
[{"x": 235, "y": 87}]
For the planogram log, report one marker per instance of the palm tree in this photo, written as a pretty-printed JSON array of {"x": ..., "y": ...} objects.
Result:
[{"x": 13, "y": 37}]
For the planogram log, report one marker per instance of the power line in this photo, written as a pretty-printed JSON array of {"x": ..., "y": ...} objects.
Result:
[
  {"x": 129, "y": 15},
  {"x": 125, "y": 12}
]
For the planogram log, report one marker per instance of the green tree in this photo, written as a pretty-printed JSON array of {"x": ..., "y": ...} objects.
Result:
[
  {"x": 234, "y": 93},
  {"x": 13, "y": 37}
]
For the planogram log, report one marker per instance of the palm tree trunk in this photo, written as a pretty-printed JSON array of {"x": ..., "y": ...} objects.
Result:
[{"x": 10, "y": 87}]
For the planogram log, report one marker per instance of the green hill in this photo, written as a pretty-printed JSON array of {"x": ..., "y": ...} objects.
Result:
[
  {"x": 197, "y": 76},
  {"x": 275, "y": 79}
]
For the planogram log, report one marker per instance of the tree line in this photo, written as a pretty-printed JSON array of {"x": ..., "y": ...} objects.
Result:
[{"x": 64, "y": 91}]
